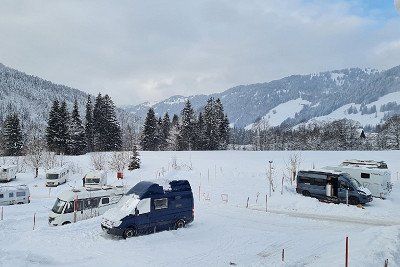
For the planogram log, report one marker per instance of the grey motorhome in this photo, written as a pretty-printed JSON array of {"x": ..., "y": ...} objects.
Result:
[
  {"x": 373, "y": 175},
  {"x": 334, "y": 186},
  {"x": 8, "y": 173},
  {"x": 10, "y": 195},
  {"x": 150, "y": 207}
]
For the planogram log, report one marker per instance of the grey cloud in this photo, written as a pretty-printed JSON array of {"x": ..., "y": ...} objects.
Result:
[{"x": 149, "y": 50}]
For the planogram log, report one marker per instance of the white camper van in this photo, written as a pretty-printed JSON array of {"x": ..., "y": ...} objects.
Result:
[
  {"x": 10, "y": 195},
  {"x": 95, "y": 178},
  {"x": 84, "y": 203},
  {"x": 373, "y": 175},
  {"x": 8, "y": 173},
  {"x": 57, "y": 176}
]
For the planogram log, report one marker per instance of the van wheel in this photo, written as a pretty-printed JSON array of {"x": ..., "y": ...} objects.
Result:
[
  {"x": 179, "y": 224},
  {"x": 129, "y": 233},
  {"x": 65, "y": 223},
  {"x": 353, "y": 201},
  {"x": 306, "y": 193}
]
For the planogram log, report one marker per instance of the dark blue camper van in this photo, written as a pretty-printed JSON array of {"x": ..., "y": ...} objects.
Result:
[
  {"x": 151, "y": 207},
  {"x": 333, "y": 187}
]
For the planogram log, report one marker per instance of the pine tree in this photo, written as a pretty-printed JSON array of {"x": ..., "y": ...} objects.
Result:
[
  {"x": 173, "y": 138},
  {"x": 224, "y": 133},
  {"x": 77, "y": 144},
  {"x": 165, "y": 128},
  {"x": 135, "y": 160},
  {"x": 113, "y": 133},
  {"x": 12, "y": 136},
  {"x": 187, "y": 127},
  {"x": 148, "y": 141},
  {"x": 89, "y": 134},
  {"x": 107, "y": 132},
  {"x": 53, "y": 127},
  {"x": 63, "y": 135},
  {"x": 98, "y": 123},
  {"x": 220, "y": 124},
  {"x": 159, "y": 134},
  {"x": 200, "y": 140},
  {"x": 211, "y": 127}
]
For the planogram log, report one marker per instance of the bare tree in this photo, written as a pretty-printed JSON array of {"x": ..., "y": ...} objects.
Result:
[
  {"x": 49, "y": 160},
  {"x": 99, "y": 160},
  {"x": 293, "y": 165},
  {"x": 119, "y": 161},
  {"x": 35, "y": 154}
]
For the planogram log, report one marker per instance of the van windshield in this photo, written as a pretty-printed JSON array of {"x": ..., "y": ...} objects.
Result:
[
  {"x": 92, "y": 180},
  {"x": 355, "y": 183},
  {"x": 51, "y": 176},
  {"x": 58, "y": 206}
]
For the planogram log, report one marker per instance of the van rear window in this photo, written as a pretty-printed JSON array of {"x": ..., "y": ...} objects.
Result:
[
  {"x": 21, "y": 194},
  {"x": 1, "y": 196},
  {"x": 365, "y": 175},
  {"x": 161, "y": 203}
]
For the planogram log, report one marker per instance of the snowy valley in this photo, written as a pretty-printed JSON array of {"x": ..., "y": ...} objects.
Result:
[{"x": 224, "y": 231}]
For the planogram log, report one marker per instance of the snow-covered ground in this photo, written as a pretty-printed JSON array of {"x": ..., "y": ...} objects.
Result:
[{"x": 312, "y": 233}]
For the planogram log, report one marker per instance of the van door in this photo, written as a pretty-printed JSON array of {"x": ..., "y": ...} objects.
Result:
[
  {"x": 143, "y": 216},
  {"x": 160, "y": 217},
  {"x": 343, "y": 187}
]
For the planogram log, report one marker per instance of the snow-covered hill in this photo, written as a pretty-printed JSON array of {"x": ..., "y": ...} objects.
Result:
[
  {"x": 325, "y": 93},
  {"x": 31, "y": 96}
]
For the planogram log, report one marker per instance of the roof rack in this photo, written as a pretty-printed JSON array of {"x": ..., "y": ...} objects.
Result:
[{"x": 366, "y": 163}]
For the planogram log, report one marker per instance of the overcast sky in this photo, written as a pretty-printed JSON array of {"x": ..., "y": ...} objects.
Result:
[{"x": 150, "y": 50}]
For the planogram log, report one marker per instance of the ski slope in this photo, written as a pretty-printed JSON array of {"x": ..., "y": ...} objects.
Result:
[{"x": 312, "y": 233}]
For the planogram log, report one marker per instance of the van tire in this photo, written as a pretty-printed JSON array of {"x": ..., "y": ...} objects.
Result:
[
  {"x": 180, "y": 224},
  {"x": 354, "y": 201},
  {"x": 306, "y": 193},
  {"x": 65, "y": 223},
  {"x": 130, "y": 232}
]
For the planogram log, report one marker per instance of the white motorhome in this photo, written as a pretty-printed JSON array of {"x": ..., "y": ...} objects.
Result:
[
  {"x": 8, "y": 173},
  {"x": 95, "y": 178},
  {"x": 10, "y": 195},
  {"x": 84, "y": 203},
  {"x": 57, "y": 176},
  {"x": 373, "y": 175}
]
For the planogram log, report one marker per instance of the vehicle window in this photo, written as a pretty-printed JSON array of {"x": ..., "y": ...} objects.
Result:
[
  {"x": 365, "y": 175},
  {"x": 69, "y": 208},
  {"x": 21, "y": 194},
  {"x": 105, "y": 200},
  {"x": 318, "y": 182},
  {"x": 79, "y": 205},
  {"x": 1, "y": 196},
  {"x": 304, "y": 179},
  {"x": 10, "y": 194},
  {"x": 91, "y": 203},
  {"x": 161, "y": 203}
]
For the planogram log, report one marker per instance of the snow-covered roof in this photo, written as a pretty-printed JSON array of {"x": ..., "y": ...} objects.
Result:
[
  {"x": 7, "y": 188},
  {"x": 85, "y": 192},
  {"x": 57, "y": 170},
  {"x": 96, "y": 174}
]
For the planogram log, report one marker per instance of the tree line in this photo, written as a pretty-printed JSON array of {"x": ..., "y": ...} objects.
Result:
[
  {"x": 206, "y": 130},
  {"x": 341, "y": 134},
  {"x": 66, "y": 133}
]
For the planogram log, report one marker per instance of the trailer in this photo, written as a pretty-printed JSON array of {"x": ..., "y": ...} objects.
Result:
[
  {"x": 57, "y": 176},
  {"x": 95, "y": 178},
  {"x": 10, "y": 195},
  {"x": 373, "y": 175},
  {"x": 8, "y": 173}
]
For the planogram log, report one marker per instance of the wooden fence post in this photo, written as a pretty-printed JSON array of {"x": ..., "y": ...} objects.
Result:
[
  {"x": 266, "y": 202},
  {"x": 34, "y": 220},
  {"x": 283, "y": 255},
  {"x": 247, "y": 205},
  {"x": 347, "y": 252},
  {"x": 1, "y": 213}
]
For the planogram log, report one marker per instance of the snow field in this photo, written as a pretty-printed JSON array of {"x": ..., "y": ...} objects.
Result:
[{"x": 222, "y": 232}]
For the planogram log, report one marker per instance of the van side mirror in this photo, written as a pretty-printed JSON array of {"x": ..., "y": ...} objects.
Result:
[{"x": 136, "y": 212}]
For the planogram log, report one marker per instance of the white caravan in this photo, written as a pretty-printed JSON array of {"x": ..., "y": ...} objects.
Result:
[
  {"x": 373, "y": 175},
  {"x": 84, "y": 203},
  {"x": 10, "y": 195},
  {"x": 57, "y": 176},
  {"x": 8, "y": 173},
  {"x": 95, "y": 178}
]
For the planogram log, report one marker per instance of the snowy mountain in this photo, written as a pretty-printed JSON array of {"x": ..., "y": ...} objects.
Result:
[
  {"x": 300, "y": 98},
  {"x": 31, "y": 96}
]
